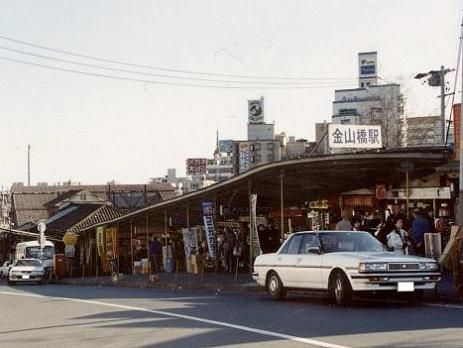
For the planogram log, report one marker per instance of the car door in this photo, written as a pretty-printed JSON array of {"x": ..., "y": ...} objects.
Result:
[
  {"x": 309, "y": 262},
  {"x": 287, "y": 261}
]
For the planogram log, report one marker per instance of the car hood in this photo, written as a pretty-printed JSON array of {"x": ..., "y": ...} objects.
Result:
[{"x": 379, "y": 257}]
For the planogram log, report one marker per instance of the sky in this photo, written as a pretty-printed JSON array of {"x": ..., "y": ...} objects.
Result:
[{"x": 94, "y": 129}]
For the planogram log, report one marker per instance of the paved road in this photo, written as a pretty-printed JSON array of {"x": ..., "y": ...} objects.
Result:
[{"x": 68, "y": 316}]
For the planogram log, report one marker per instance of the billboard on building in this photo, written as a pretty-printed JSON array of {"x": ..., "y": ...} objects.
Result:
[
  {"x": 226, "y": 146},
  {"x": 256, "y": 111},
  {"x": 354, "y": 136},
  {"x": 367, "y": 64},
  {"x": 196, "y": 166},
  {"x": 244, "y": 157}
]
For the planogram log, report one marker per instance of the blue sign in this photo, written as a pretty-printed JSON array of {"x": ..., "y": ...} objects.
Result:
[{"x": 367, "y": 70}]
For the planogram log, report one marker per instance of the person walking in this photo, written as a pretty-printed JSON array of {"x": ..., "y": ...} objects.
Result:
[
  {"x": 344, "y": 224},
  {"x": 398, "y": 240},
  {"x": 420, "y": 226},
  {"x": 155, "y": 254}
]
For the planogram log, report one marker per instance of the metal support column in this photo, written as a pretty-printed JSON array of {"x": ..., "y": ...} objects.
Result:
[
  {"x": 131, "y": 246},
  {"x": 407, "y": 194},
  {"x": 282, "y": 206}
]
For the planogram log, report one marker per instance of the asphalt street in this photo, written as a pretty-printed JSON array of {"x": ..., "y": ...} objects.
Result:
[{"x": 76, "y": 316}]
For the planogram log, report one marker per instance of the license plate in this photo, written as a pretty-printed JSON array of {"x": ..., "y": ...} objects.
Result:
[
  {"x": 405, "y": 287},
  {"x": 25, "y": 276}
]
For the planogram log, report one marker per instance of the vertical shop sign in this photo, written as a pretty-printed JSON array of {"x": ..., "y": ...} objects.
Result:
[
  {"x": 255, "y": 244},
  {"x": 208, "y": 216},
  {"x": 210, "y": 235},
  {"x": 111, "y": 243},
  {"x": 100, "y": 240}
]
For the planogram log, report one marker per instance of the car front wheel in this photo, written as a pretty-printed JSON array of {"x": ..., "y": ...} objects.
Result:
[
  {"x": 275, "y": 287},
  {"x": 340, "y": 290}
]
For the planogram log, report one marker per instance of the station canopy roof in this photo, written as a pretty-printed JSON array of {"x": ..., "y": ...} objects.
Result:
[{"x": 306, "y": 179}]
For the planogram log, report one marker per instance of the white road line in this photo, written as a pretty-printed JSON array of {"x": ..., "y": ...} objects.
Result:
[
  {"x": 186, "y": 317},
  {"x": 442, "y": 305}
]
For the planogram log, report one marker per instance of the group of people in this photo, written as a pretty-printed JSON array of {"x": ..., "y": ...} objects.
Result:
[{"x": 396, "y": 232}]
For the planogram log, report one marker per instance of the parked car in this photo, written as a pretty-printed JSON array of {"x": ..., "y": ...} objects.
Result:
[
  {"x": 5, "y": 269},
  {"x": 26, "y": 270},
  {"x": 341, "y": 264}
]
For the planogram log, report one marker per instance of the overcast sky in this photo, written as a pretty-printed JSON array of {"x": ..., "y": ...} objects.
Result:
[{"x": 93, "y": 129}]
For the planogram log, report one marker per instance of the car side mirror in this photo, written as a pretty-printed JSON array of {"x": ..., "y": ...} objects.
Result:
[{"x": 314, "y": 250}]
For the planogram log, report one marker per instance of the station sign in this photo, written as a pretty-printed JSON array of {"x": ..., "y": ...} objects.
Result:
[{"x": 354, "y": 136}]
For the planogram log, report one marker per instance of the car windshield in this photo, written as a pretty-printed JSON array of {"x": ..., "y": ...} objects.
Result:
[
  {"x": 34, "y": 252},
  {"x": 35, "y": 263},
  {"x": 333, "y": 242}
]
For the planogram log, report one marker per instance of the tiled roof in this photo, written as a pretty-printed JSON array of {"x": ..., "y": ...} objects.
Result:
[
  {"x": 61, "y": 197},
  {"x": 105, "y": 213},
  {"x": 79, "y": 216},
  {"x": 30, "y": 207},
  {"x": 29, "y": 201},
  {"x": 92, "y": 188}
]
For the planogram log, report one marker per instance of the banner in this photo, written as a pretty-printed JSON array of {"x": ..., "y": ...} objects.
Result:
[
  {"x": 254, "y": 236},
  {"x": 111, "y": 243},
  {"x": 354, "y": 136},
  {"x": 210, "y": 235},
  {"x": 190, "y": 242},
  {"x": 100, "y": 240}
]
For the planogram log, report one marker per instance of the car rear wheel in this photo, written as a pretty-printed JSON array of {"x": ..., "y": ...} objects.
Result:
[
  {"x": 275, "y": 287},
  {"x": 11, "y": 283},
  {"x": 340, "y": 290}
]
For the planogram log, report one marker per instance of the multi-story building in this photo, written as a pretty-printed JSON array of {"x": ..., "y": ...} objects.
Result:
[
  {"x": 422, "y": 131},
  {"x": 371, "y": 103}
]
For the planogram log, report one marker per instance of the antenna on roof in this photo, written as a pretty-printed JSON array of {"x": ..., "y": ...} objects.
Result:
[{"x": 29, "y": 165}]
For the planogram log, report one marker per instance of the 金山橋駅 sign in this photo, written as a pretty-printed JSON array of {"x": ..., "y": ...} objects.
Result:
[{"x": 354, "y": 136}]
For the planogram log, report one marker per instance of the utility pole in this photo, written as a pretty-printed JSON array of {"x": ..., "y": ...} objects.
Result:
[
  {"x": 435, "y": 78},
  {"x": 442, "y": 103},
  {"x": 29, "y": 165}
]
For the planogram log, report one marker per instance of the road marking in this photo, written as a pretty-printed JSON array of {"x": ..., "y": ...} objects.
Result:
[
  {"x": 442, "y": 305},
  {"x": 186, "y": 317}
]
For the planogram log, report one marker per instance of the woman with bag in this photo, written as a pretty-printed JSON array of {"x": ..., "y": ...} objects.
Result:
[{"x": 398, "y": 240}]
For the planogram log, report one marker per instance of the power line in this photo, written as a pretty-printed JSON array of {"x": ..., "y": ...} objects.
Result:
[
  {"x": 169, "y": 69},
  {"x": 123, "y": 78},
  {"x": 68, "y": 61}
]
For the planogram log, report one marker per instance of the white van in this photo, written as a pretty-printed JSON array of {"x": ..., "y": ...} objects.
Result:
[{"x": 31, "y": 250}]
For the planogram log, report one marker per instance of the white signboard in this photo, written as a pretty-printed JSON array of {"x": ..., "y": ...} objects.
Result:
[
  {"x": 354, "y": 136},
  {"x": 210, "y": 235}
]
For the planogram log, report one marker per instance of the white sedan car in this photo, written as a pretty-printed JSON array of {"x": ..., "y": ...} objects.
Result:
[
  {"x": 5, "y": 269},
  {"x": 25, "y": 271},
  {"x": 342, "y": 263}
]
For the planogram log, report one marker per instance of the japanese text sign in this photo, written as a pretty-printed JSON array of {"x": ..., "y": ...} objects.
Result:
[{"x": 354, "y": 136}]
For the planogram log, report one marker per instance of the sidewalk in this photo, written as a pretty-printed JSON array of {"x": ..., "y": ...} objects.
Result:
[
  {"x": 223, "y": 282},
  {"x": 209, "y": 281}
]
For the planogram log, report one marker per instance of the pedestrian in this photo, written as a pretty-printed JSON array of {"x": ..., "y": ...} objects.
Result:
[
  {"x": 420, "y": 226},
  {"x": 356, "y": 224},
  {"x": 228, "y": 246},
  {"x": 398, "y": 240},
  {"x": 155, "y": 254},
  {"x": 344, "y": 224}
]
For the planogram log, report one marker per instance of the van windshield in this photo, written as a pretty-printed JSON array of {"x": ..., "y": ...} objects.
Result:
[{"x": 34, "y": 252}]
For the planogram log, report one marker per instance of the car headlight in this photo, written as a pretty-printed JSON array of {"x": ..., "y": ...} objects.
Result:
[
  {"x": 430, "y": 266},
  {"x": 372, "y": 267}
]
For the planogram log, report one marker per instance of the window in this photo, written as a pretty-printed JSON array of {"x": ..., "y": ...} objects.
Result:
[
  {"x": 310, "y": 241},
  {"x": 293, "y": 245},
  {"x": 362, "y": 85},
  {"x": 270, "y": 146},
  {"x": 270, "y": 157}
]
